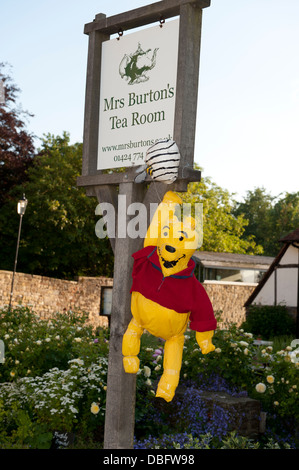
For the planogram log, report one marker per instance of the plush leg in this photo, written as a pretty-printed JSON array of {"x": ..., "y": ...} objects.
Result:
[
  {"x": 131, "y": 347},
  {"x": 173, "y": 352}
]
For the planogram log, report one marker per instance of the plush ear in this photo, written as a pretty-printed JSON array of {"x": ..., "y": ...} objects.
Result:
[
  {"x": 189, "y": 222},
  {"x": 173, "y": 219}
]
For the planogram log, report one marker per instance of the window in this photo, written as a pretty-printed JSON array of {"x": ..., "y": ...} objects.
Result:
[
  {"x": 106, "y": 301},
  {"x": 232, "y": 275}
]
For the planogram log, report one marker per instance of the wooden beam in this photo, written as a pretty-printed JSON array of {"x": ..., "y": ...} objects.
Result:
[
  {"x": 187, "y": 82},
  {"x": 141, "y": 16},
  {"x": 92, "y": 102},
  {"x": 281, "y": 266},
  {"x": 186, "y": 174}
]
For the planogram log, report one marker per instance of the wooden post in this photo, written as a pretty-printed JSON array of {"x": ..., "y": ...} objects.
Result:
[
  {"x": 120, "y": 400},
  {"x": 121, "y": 387}
]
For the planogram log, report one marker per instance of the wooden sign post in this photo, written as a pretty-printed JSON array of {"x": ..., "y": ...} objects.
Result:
[{"x": 120, "y": 399}]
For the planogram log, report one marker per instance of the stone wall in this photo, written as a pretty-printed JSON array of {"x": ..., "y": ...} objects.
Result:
[
  {"x": 46, "y": 295},
  {"x": 229, "y": 297}
]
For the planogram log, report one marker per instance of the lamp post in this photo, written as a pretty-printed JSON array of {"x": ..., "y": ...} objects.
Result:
[{"x": 21, "y": 208}]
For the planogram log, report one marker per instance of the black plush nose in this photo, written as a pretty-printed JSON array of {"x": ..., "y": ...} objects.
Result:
[{"x": 169, "y": 248}]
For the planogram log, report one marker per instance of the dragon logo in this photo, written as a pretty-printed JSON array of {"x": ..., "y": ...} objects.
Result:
[{"x": 134, "y": 67}]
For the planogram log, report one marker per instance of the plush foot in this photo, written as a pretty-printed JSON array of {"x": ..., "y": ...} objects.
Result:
[
  {"x": 167, "y": 387},
  {"x": 131, "y": 364}
]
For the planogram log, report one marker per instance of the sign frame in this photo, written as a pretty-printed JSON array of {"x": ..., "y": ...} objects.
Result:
[
  {"x": 137, "y": 93},
  {"x": 106, "y": 186}
]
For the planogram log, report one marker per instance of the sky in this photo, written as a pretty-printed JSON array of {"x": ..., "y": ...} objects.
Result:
[{"x": 247, "y": 131}]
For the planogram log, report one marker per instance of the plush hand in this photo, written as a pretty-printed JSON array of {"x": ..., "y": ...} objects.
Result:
[
  {"x": 172, "y": 198},
  {"x": 204, "y": 340}
]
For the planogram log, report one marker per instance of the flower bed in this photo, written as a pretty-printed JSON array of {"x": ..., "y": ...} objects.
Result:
[
  {"x": 53, "y": 382},
  {"x": 53, "y": 379}
]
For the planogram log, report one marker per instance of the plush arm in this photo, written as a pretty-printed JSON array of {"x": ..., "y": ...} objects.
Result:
[{"x": 204, "y": 340}]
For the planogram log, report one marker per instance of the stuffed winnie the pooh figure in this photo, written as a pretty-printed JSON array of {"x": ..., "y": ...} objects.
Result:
[{"x": 166, "y": 295}]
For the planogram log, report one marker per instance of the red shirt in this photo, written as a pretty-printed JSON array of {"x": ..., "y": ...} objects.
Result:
[{"x": 181, "y": 292}]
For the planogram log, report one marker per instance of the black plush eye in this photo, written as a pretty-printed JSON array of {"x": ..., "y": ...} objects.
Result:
[
  {"x": 165, "y": 234},
  {"x": 181, "y": 239}
]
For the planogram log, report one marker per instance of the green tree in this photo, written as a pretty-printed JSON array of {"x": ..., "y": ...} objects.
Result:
[
  {"x": 58, "y": 232},
  {"x": 269, "y": 218},
  {"x": 222, "y": 230},
  {"x": 256, "y": 208},
  {"x": 285, "y": 218}
]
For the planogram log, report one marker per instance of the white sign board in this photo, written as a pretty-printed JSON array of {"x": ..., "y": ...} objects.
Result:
[{"x": 137, "y": 94}]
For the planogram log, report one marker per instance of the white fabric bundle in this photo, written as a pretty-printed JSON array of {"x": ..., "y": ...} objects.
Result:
[{"x": 162, "y": 162}]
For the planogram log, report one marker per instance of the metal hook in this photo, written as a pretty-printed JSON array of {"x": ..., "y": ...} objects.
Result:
[
  {"x": 120, "y": 34},
  {"x": 162, "y": 21}
]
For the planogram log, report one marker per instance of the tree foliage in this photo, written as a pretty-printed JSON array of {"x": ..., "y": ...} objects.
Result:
[
  {"x": 269, "y": 218},
  {"x": 58, "y": 233},
  {"x": 222, "y": 230},
  {"x": 16, "y": 144}
]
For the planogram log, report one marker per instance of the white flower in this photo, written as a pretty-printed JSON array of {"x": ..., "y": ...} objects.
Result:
[
  {"x": 249, "y": 335},
  {"x": 243, "y": 343},
  {"x": 158, "y": 367},
  {"x": 73, "y": 409},
  {"x": 48, "y": 340},
  {"x": 148, "y": 382},
  {"x": 276, "y": 403},
  {"x": 78, "y": 340},
  {"x": 6, "y": 336},
  {"x": 218, "y": 350},
  {"x": 246, "y": 351},
  {"x": 260, "y": 387},
  {"x": 270, "y": 379},
  {"x": 94, "y": 408},
  {"x": 78, "y": 361},
  {"x": 38, "y": 342},
  {"x": 147, "y": 371}
]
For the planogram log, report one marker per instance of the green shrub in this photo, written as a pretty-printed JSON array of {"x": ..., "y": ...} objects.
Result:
[
  {"x": 33, "y": 345},
  {"x": 232, "y": 358},
  {"x": 55, "y": 374},
  {"x": 268, "y": 321},
  {"x": 53, "y": 378}
]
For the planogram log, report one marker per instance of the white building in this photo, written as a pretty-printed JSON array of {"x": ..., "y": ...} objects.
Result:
[
  {"x": 280, "y": 284},
  {"x": 230, "y": 267}
]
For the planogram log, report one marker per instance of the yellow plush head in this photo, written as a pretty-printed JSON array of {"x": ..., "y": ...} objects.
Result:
[{"x": 176, "y": 243}]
